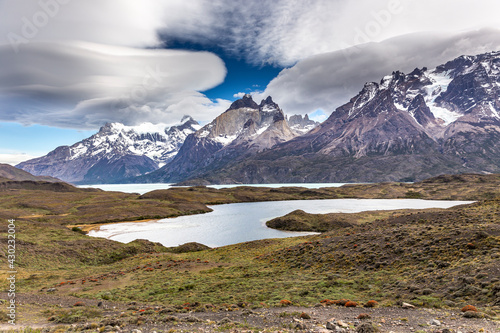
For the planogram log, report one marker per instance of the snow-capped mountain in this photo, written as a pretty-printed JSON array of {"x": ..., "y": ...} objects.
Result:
[
  {"x": 406, "y": 127},
  {"x": 301, "y": 125},
  {"x": 243, "y": 130},
  {"x": 115, "y": 152}
]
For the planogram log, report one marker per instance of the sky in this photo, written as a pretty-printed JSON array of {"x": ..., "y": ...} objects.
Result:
[{"x": 70, "y": 66}]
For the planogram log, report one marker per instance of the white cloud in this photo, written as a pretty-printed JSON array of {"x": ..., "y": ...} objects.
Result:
[
  {"x": 239, "y": 95},
  {"x": 14, "y": 159},
  {"x": 117, "y": 22},
  {"x": 83, "y": 85},
  {"x": 329, "y": 80}
]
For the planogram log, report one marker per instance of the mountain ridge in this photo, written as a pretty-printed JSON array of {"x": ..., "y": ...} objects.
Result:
[
  {"x": 406, "y": 127},
  {"x": 243, "y": 130},
  {"x": 116, "y": 151}
]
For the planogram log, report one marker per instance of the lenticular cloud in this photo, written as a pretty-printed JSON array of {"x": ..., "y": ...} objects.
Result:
[{"x": 83, "y": 85}]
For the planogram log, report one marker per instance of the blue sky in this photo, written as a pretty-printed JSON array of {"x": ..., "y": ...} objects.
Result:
[{"x": 68, "y": 67}]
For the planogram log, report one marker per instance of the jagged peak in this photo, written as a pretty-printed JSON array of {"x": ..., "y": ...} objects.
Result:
[
  {"x": 186, "y": 118},
  {"x": 268, "y": 100},
  {"x": 245, "y": 102},
  {"x": 268, "y": 105}
]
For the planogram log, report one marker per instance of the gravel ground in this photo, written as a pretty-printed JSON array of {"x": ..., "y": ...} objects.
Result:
[{"x": 234, "y": 319}]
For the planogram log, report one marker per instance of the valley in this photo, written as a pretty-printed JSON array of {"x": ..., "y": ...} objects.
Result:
[{"x": 436, "y": 260}]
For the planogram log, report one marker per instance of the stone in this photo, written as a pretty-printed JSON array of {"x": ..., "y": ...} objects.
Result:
[
  {"x": 435, "y": 322},
  {"x": 407, "y": 306},
  {"x": 366, "y": 328},
  {"x": 333, "y": 327}
]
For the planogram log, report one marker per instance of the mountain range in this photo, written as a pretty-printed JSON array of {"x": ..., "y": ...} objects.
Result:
[
  {"x": 115, "y": 152},
  {"x": 406, "y": 127}
]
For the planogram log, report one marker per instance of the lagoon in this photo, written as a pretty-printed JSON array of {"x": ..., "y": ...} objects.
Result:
[{"x": 242, "y": 222}]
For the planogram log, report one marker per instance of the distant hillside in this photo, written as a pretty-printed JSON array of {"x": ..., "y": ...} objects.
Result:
[{"x": 8, "y": 172}]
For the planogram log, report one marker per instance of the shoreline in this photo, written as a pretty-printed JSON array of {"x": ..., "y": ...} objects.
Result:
[{"x": 97, "y": 226}]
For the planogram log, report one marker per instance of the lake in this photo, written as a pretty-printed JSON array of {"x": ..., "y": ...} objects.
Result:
[
  {"x": 242, "y": 222},
  {"x": 144, "y": 188}
]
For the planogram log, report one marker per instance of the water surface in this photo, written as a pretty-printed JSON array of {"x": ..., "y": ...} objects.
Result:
[
  {"x": 242, "y": 222},
  {"x": 144, "y": 188}
]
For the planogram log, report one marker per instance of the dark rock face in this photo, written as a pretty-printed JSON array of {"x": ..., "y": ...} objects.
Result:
[
  {"x": 407, "y": 127},
  {"x": 114, "y": 153},
  {"x": 115, "y": 169},
  {"x": 245, "y": 102}
]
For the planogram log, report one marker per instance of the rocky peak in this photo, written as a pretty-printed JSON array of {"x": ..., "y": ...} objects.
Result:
[
  {"x": 245, "y": 102},
  {"x": 268, "y": 104},
  {"x": 187, "y": 122},
  {"x": 301, "y": 125}
]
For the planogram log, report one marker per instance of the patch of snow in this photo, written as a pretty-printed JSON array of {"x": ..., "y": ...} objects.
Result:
[
  {"x": 268, "y": 108},
  {"x": 446, "y": 115},
  {"x": 400, "y": 106},
  {"x": 440, "y": 83},
  {"x": 204, "y": 133},
  {"x": 494, "y": 112},
  {"x": 262, "y": 130},
  {"x": 78, "y": 151},
  {"x": 386, "y": 81},
  {"x": 303, "y": 130},
  {"x": 226, "y": 139}
]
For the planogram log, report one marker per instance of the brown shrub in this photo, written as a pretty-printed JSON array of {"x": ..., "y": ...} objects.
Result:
[
  {"x": 328, "y": 302},
  {"x": 285, "y": 302},
  {"x": 364, "y": 316},
  {"x": 341, "y": 302},
  {"x": 469, "y": 308},
  {"x": 371, "y": 304},
  {"x": 351, "y": 304}
]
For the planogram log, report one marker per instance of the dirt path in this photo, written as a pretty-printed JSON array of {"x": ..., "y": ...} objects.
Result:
[{"x": 121, "y": 317}]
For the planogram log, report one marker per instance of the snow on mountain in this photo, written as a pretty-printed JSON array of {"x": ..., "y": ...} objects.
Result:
[
  {"x": 406, "y": 127},
  {"x": 244, "y": 129},
  {"x": 126, "y": 150}
]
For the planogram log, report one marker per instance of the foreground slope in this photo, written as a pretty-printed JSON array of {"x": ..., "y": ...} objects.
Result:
[
  {"x": 433, "y": 259},
  {"x": 8, "y": 172}
]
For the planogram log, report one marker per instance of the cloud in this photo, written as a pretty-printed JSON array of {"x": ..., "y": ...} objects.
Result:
[
  {"x": 83, "y": 85},
  {"x": 116, "y": 22},
  {"x": 282, "y": 32},
  {"x": 329, "y": 80},
  {"x": 279, "y": 32},
  {"x": 239, "y": 95},
  {"x": 14, "y": 159}
]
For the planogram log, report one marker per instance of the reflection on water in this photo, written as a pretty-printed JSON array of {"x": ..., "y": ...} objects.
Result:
[{"x": 241, "y": 222}]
